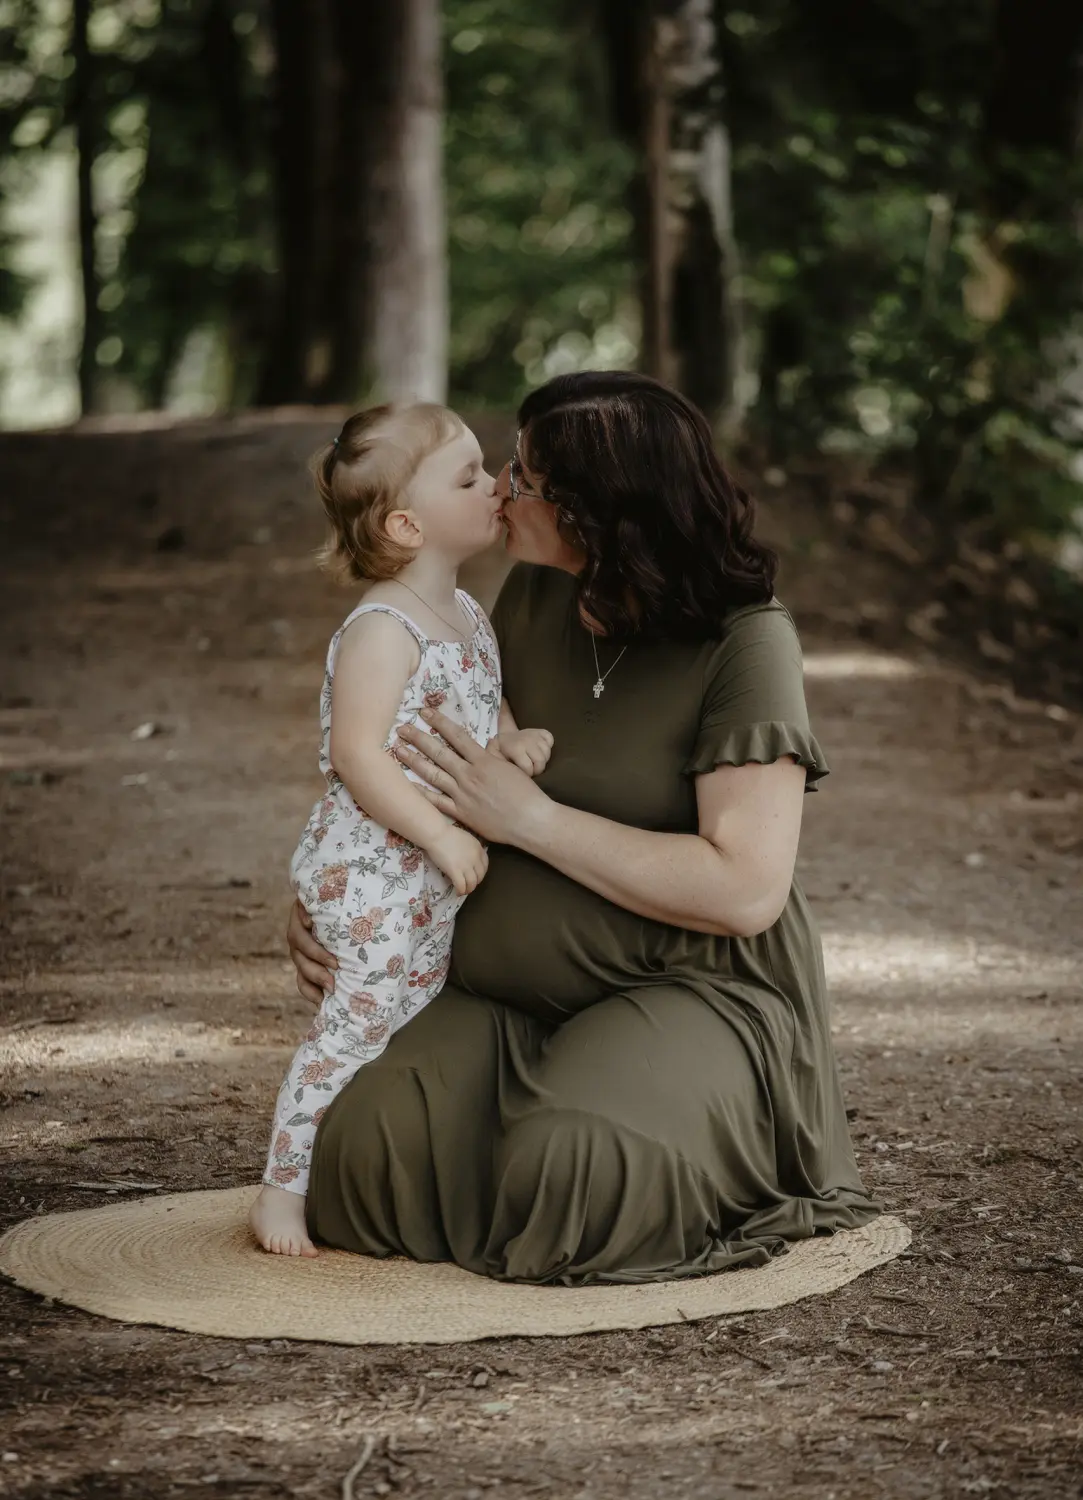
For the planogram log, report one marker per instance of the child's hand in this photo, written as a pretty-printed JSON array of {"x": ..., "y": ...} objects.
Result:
[
  {"x": 460, "y": 856},
  {"x": 529, "y": 749}
]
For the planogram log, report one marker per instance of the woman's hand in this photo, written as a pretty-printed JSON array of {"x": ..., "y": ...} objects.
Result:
[
  {"x": 476, "y": 787},
  {"x": 315, "y": 966}
]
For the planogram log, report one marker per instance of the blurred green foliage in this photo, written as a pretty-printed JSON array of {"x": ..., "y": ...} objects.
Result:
[
  {"x": 541, "y": 276},
  {"x": 33, "y": 71},
  {"x": 912, "y": 274},
  {"x": 186, "y": 98},
  {"x": 915, "y": 281}
]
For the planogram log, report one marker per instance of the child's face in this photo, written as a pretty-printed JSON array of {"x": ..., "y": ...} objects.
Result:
[{"x": 455, "y": 500}]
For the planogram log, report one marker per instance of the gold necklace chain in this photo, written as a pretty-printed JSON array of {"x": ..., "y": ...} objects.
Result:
[
  {"x": 435, "y": 611},
  {"x": 599, "y": 685}
]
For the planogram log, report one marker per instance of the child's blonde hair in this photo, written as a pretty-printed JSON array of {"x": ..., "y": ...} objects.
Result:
[{"x": 361, "y": 477}]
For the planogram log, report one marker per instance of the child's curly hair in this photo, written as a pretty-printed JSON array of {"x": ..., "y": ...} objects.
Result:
[{"x": 361, "y": 476}]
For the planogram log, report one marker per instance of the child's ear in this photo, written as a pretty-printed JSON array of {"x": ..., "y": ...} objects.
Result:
[{"x": 403, "y": 528}]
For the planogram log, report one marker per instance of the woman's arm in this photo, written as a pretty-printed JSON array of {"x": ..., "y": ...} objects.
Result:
[{"x": 731, "y": 878}]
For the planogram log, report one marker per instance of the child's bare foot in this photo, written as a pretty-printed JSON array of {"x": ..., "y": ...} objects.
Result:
[{"x": 278, "y": 1222}]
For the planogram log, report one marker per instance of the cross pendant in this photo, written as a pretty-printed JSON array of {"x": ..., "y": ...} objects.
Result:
[{"x": 599, "y": 688}]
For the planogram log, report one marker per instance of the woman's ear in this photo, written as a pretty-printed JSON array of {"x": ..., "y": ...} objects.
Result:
[{"x": 404, "y": 529}]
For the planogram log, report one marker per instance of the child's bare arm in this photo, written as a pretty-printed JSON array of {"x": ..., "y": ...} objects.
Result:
[
  {"x": 506, "y": 723},
  {"x": 376, "y": 658},
  {"x": 529, "y": 749}
]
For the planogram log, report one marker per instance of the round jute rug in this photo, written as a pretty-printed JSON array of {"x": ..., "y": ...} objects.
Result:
[{"x": 187, "y": 1261}]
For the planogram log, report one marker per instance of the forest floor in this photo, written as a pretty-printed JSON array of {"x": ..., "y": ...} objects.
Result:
[{"x": 164, "y": 578}]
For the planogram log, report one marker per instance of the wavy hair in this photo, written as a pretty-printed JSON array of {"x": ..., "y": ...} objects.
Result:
[
  {"x": 361, "y": 477},
  {"x": 667, "y": 532}
]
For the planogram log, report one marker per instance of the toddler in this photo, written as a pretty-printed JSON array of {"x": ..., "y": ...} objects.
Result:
[{"x": 381, "y": 871}]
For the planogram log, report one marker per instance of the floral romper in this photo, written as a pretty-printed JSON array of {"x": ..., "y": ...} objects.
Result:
[{"x": 377, "y": 902}]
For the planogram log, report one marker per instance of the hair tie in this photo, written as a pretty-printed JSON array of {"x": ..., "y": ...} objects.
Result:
[{"x": 334, "y": 442}]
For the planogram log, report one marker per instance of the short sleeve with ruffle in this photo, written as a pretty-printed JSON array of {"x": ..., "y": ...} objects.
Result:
[{"x": 754, "y": 698}]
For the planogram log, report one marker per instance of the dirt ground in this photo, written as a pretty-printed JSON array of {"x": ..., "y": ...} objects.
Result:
[{"x": 164, "y": 578}]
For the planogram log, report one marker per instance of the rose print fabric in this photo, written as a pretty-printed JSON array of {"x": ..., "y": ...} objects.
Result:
[{"x": 377, "y": 903}]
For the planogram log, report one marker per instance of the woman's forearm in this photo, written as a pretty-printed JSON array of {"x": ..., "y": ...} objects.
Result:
[{"x": 678, "y": 878}]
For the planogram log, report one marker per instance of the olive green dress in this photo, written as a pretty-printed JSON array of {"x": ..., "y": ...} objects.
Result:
[{"x": 596, "y": 1096}]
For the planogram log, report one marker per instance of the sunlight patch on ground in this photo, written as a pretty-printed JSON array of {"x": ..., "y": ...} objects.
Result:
[
  {"x": 849, "y": 664},
  {"x": 29, "y": 1046},
  {"x": 890, "y": 957},
  {"x": 200, "y": 982},
  {"x": 50, "y": 1048},
  {"x": 39, "y": 755},
  {"x": 942, "y": 989}
]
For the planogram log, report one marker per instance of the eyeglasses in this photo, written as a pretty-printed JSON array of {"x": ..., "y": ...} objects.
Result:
[{"x": 515, "y": 470}]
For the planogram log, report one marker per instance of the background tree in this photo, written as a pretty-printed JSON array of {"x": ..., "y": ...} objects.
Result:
[
  {"x": 84, "y": 119},
  {"x": 543, "y": 272},
  {"x": 669, "y": 103},
  {"x": 859, "y": 221}
]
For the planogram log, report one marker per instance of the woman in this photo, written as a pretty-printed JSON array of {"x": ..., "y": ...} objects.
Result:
[{"x": 629, "y": 1075}]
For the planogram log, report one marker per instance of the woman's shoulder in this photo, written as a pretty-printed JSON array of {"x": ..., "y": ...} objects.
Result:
[
  {"x": 754, "y": 641},
  {"x": 768, "y": 619}
]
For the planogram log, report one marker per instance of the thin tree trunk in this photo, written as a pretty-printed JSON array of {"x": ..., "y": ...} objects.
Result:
[
  {"x": 692, "y": 328},
  {"x": 285, "y": 374},
  {"x": 408, "y": 312},
  {"x": 83, "y": 118},
  {"x": 317, "y": 350},
  {"x": 708, "y": 324},
  {"x": 349, "y": 147},
  {"x": 659, "y": 356},
  {"x": 411, "y": 323}
]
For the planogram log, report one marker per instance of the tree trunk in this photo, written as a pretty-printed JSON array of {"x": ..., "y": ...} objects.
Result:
[
  {"x": 659, "y": 356},
  {"x": 406, "y": 316},
  {"x": 86, "y": 141},
  {"x": 304, "y": 139},
  {"x": 692, "y": 334},
  {"x": 372, "y": 313},
  {"x": 410, "y": 328},
  {"x": 361, "y": 294}
]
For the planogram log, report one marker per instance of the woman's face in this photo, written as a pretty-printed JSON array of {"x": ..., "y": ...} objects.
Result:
[{"x": 531, "y": 521}]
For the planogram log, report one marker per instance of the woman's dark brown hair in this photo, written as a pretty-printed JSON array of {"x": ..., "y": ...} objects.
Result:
[{"x": 631, "y": 466}]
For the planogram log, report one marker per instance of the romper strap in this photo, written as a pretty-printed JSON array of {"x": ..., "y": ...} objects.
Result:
[
  {"x": 382, "y": 609},
  {"x": 471, "y": 605}
]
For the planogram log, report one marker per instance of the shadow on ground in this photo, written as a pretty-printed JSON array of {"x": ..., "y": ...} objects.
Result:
[{"x": 164, "y": 578}]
